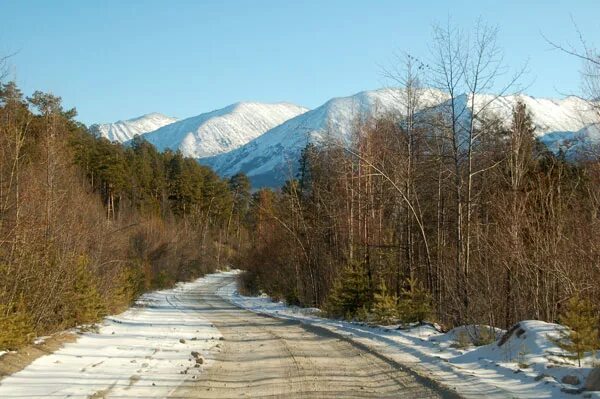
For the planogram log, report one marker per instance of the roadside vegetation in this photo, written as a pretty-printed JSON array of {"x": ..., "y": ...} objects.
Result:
[{"x": 87, "y": 225}]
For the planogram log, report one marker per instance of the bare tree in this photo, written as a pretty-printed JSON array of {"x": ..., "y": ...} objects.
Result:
[
  {"x": 467, "y": 67},
  {"x": 590, "y": 71}
]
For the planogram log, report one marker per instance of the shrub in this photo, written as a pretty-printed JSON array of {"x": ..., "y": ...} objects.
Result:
[
  {"x": 581, "y": 317},
  {"x": 384, "y": 306},
  {"x": 415, "y": 303},
  {"x": 16, "y": 326},
  {"x": 350, "y": 293}
]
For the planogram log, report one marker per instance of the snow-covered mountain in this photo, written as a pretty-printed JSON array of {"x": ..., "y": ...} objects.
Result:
[
  {"x": 550, "y": 116},
  {"x": 265, "y": 140},
  {"x": 576, "y": 145},
  {"x": 222, "y": 130},
  {"x": 272, "y": 158},
  {"x": 123, "y": 131}
]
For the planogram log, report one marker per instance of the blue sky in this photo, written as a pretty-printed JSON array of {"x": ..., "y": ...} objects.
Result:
[{"x": 120, "y": 59}]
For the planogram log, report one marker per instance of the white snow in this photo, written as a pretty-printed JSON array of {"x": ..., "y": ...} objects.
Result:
[
  {"x": 125, "y": 130},
  {"x": 271, "y": 158},
  {"x": 139, "y": 353},
  {"x": 277, "y": 151},
  {"x": 222, "y": 130},
  {"x": 527, "y": 365}
]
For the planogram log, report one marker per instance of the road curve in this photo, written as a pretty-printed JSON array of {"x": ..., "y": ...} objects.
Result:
[{"x": 265, "y": 357}]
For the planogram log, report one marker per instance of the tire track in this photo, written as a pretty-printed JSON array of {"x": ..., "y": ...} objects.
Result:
[{"x": 266, "y": 357}]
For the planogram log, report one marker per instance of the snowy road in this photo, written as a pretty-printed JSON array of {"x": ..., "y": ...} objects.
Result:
[
  {"x": 144, "y": 352},
  {"x": 266, "y": 357},
  {"x": 189, "y": 342}
]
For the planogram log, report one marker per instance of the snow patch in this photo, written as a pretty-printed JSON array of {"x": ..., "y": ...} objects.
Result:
[{"x": 145, "y": 351}]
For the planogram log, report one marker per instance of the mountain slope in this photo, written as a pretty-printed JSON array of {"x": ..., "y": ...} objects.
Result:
[
  {"x": 548, "y": 115},
  {"x": 272, "y": 158},
  {"x": 222, "y": 130},
  {"x": 125, "y": 130}
]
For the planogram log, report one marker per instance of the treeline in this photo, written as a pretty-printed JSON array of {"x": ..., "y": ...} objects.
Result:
[{"x": 87, "y": 225}]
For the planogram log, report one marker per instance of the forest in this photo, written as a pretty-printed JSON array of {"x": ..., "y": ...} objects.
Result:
[{"x": 87, "y": 225}]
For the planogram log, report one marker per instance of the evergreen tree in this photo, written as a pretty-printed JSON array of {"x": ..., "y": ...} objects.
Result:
[
  {"x": 10, "y": 94},
  {"x": 384, "y": 306},
  {"x": 581, "y": 317},
  {"x": 239, "y": 185},
  {"x": 350, "y": 293},
  {"x": 306, "y": 173},
  {"x": 415, "y": 303},
  {"x": 16, "y": 325},
  {"x": 88, "y": 304}
]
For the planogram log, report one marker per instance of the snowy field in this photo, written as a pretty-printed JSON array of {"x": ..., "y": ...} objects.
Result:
[
  {"x": 527, "y": 364},
  {"x": 144, "y": 352}
]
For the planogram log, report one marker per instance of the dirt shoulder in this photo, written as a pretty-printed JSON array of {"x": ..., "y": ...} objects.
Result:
[{"x": 13, "y": 362}]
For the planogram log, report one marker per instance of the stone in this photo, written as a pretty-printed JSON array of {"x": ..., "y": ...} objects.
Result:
[
  {"x": 571, "y": 380},
  {"x": 592, "y": 382}
]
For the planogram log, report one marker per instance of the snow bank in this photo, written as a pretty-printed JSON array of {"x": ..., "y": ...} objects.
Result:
[
  {"x": 528, "y": 364},
  {"x": 143, "y": 352},
  {"x": 529, "y": 348}
]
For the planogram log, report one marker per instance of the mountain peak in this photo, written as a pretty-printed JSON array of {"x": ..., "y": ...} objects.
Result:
[
  {"x": 125, "y": 130},
  {"x": 222, "y": 130}
]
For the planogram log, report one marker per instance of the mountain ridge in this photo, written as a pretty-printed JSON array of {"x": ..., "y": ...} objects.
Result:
[
  {"x": 264, "y": 140},
  {"x": 125, "y": 129},
  {"x": 223, "y": 129},
  {"x": 272, "y": 158}
]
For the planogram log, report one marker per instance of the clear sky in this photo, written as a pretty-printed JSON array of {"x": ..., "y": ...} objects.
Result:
[{"x": 120, "y": 59}]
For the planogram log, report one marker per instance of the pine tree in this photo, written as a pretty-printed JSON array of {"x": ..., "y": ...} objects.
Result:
[
  {"x": 89, "y": 306},
  {"x": 384, "y": 306},
  {"x": 415, "y": 303},
  {"x": 350, "y": 293},
  {"x": 16, "y": 326},
  {"x": 306, "y": 172},
  {"x": 582, "y": 319}
]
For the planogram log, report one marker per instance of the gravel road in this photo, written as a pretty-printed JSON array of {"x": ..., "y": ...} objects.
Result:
[{"x": 264, "y": 357}]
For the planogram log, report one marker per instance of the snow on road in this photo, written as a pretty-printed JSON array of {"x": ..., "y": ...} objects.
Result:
[
  {"x": 488, "y": 371},
  {"x": 152, "y": 349},
  {"x": 144, "y": 352}
]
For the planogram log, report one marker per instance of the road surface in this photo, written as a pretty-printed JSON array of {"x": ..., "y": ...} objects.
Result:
[{"x": 264, "y": 357}]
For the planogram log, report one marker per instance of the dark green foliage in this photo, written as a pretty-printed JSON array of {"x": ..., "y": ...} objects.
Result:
[
  {"x": 351, "y": 294},
  {"x": 306, "y": 171},
  {"x": 153, "y": 183},
  {"x": 414, "y": 304},
  {"x": 239, "y": 185},
  {"x": 16, "y": 325},
  {"x": 87, "y": 225},
  {"x": 84, "y": 299}
]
